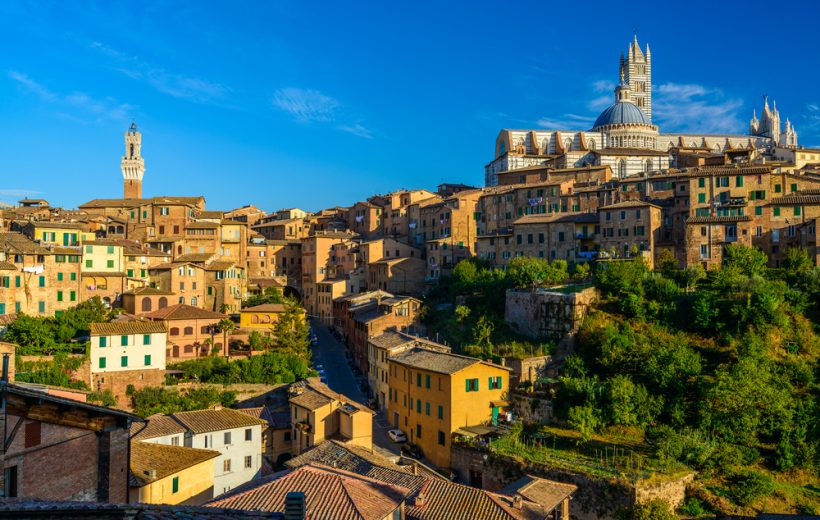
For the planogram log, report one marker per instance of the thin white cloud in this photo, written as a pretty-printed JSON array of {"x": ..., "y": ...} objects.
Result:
[
  {"x": 77, "y": 106},
  {"x": 180, "y": 86},
  {"x": 306, "y": 105},
  {"x": 603, "y": 85},
  {"x": 567, "y": 122},
  {"x": 696, "y": 108},
  {"x": 356, "y": 129},
  {"x": 813, "y": 107},
  {"x": 18, "y": 192}
]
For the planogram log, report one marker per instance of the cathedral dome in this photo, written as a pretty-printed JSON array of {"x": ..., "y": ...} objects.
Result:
[{"x": 621, "y": 113}]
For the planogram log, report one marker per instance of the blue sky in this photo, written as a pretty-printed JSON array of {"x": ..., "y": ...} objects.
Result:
[{"x": 314, "y": 104}]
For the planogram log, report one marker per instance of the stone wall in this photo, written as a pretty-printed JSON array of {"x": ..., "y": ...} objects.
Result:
[
  {"x": 595, "y": 499},
  {"x": 531, "y": 409},
  {"x": 544, "y": 314},
  {"x": 527, "y": 369}
]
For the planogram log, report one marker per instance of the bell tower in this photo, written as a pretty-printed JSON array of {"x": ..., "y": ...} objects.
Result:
[
  {"x": 638, "y": 70},
  {"x": 132, "y": 165}
]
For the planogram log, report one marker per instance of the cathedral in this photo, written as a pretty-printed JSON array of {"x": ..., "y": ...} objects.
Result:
[{"x": 624, "y": 137}]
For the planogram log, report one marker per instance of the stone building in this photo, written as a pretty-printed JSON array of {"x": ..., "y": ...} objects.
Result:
[{"x": 192, "y": 332}]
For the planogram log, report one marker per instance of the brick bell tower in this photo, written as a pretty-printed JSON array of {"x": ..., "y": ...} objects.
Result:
[{"x": 133, "y": 167}]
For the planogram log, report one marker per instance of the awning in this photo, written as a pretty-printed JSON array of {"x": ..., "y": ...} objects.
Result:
[{"x": 499, "y": 403}]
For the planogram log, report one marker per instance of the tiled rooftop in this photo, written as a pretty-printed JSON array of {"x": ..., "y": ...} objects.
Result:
[
  {"x": 126, "y": 327},
  {"x": 182, "y": 311},
  {"x": 163, "y": 460},
  {"x": 216, "y": 419}
]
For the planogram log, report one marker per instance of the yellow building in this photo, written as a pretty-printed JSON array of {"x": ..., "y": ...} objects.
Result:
[
  {"x": 261, "y": 318},
  {"x": 318, "y": 413},
  {"x": 57, "y": 233},
  {"x": 432, "y": 394},
  {"x": 163, "y": 474},
  {"x": 102, "y": 256}
]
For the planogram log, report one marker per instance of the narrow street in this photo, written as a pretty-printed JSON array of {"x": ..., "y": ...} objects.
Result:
[{"x": 330, "y": 353}]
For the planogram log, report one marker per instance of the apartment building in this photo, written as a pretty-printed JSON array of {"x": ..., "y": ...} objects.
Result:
[
  {"x": 630, "y": 228},
  {"x": 164, "y": 474},
  {"x": 127, "y": 353},
  {"x": 192, "y": 332},
  {"x": 379, "y": 350},
  {"x": 431, "y": 394},
  {"x": 236, "y": 436},
  {"x": 318, "y": 413}
]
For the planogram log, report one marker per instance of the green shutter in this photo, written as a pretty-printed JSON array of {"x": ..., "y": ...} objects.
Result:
[
  {"x": 102, "y": 362},
  {"x": 42, "y": 281},
  {"x": 467, "y": 389},
  {"x": 124, "y": 361},
  {"x": 440, "y": 412},
  {"x": 59, "y": 277},
  {"x": 103, "y": 341},
  {"x": 2, "y": 308},
  {"x": 73, "y": 296},
  {"x": 130, "y": 273},
  {"x": 124, "y": 341},
  {"x": 148, "y": 360},
  {"x": 41, "y": 307},
  {"x": 146, "y": 339},
  {"x": 59, "y": 296},
  {"x": 175, "y": 485}
]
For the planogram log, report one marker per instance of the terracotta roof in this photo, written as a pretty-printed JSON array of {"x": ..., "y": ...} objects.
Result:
[
  {"x": 796, "y": 199},
  {"x": 164, "y": 460},
  {"x": 266, "y": 307},
  {"x": 555, "y": 218},
  {"x": 157, "y": 425},
  {"x": 203, "y": 421},
  {"x": 718, "y": 220},
  {"x": 149, "y": 291},
  {"x": 629, "y": 204},
  {"x": 436, "y": 361},
  {"x": 14, "y": 508},
  {"x": 446, "y": 500},
  {"x": 204, "y": 224},
  {"x": 58, "y": 225},
  {"x": 330, "y": 494},
  {"x": 221, "y": 265},
  {"x": 126, "y": 327},
  {"x": 726, "y": 170},
  {"x": 7, "y": 266},
  {"x": 195, "y": 257},
  {"x": 182, "y": 311},
  {"x": 112, "y": 274},
  {"x": 547, "y": 493}
]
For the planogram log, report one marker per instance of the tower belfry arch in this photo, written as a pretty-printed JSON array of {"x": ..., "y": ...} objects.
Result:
[{"x": 132, "y": 164}]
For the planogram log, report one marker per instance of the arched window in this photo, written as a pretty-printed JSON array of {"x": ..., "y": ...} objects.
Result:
[
  {"x": 592, "y": 144},
  {"x": 193, "y": 301},
  {"x": 189, "y": 349},
  {"x": 163, "y": 302},
  {"x": 568, "y": 144},
  {"x": 174, "y": 331},
  {"x": 266, "y": 319},
  {"x": 254, "y": 319},
  {"x": 146, "y": 305},
  {"x": 622, "y": 169},
  {"x": 205, "y": 329},
  {"x": 188, "y": 331}
]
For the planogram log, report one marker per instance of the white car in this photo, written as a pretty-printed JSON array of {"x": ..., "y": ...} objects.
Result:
[{"x": 397, "y": 435}]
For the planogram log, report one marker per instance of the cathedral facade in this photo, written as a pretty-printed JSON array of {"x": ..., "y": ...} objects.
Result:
[{"x": 624, "y": 137}]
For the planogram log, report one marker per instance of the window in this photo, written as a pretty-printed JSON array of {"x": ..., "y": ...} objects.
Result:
[
  {"x": 72, "y": 296},
  {"x": 776, "y": 212},
  {"x": 472, "y": 385},
  {"x": 418, "y": 379},
  {"x": 59, "y": 296},
  {"x": 794, "y": 187},
  {"x": 418, "y": 406},
  {"x": 103, "y": 341},
  {"x": 739, "y": 181},
  {"x": 89, "y": 263},
  {"x": 124, "y": 361},
  {"x": 124, "y": 341},
  {"x": 440, "y": 412},
  {"x": 427, "y": 381},
  {"x": 560, "y": 236},
  {"x": 248, "y": 461},
  {"x": 758, "y": 210},
  {"x": 59, "y": 277},
  {"x": 777, "y": 188},
  {"x": 426, "y": 408},
  {"x": 701, "y": 198},
  {"x": 797, "y": 211},
  {"x": 174, "y": 331},
  {"x": 148, "y": 360},
  {"x": 175, "y": 485},
  {"x": 146, "y": 339},
  {"x": 109, "y": 264},
  {"x": 701, "y": 183},
  {"x": 495, "y": 383},
  {"x": 175, "y": 441},
  {"x": 442, "y": 440},
  {"x": 102, "y": 362},
  {"x": 42, "y": 281},
  {"x": 33, "y": 431},
  {"x": 418, "y": 431},
  {"x": 248, "y": 434},
  {"x": 227, "y": 438},
  {"x": 41, "y": 307},
  {"x": 226, "y": 465}
]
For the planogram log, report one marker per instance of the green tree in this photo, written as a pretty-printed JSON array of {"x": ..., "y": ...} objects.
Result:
[
  {"x": 747, "y": 487},
  {"x": 482, "y": 334},
  {"x": 462, "y": 313},
  {"x": 226, "y": 326},
  {"x": 586, "y": 420},
  {"x": 292, "y": 331},
  {"x": 747, "y": 260},
  {"x": 269, "y": 295}
]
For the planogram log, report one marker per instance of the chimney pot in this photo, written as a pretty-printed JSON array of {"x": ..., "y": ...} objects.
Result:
[{"x": 517, "y": 502}]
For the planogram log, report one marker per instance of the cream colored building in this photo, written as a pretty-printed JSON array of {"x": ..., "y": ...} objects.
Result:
[{"x": 174, "y": 475}]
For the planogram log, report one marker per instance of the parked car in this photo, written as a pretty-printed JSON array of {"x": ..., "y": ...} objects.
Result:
[
  {"x": 412, "y": 451},
  {"x": 397, "y": 435}
]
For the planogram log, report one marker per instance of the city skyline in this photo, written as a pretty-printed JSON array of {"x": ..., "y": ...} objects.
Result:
[{"x": 302, "y": 96}]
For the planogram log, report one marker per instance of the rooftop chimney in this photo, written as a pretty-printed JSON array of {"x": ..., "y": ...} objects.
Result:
[
  {"x": 517, "y": 502},
  {"x": 295, "y": 506}
]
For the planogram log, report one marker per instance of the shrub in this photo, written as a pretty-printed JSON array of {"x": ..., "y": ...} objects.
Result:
[{"x": 749, "y": 486}]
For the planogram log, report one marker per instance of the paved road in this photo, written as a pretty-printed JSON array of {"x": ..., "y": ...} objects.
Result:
[{"x": 331, "y": 355}]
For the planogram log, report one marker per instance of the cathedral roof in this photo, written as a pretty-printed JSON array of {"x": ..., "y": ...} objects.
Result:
[{"x": 622, "y": 112}]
